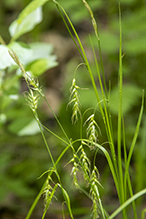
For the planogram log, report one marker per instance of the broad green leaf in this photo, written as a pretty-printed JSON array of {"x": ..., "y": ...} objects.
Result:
[
  {"x": 24, "y": 126},
  {"x": 27, "y": 19},
  {"x": 5, "y": 58},
  {"x": 32, "y": 6},
  {"x": 41, "y": 58},
  {"x": 131, "y": 94},
  {"x": 23, "y": 51},
  {"x": 21, "y": 26},
  {"x": 40, "y": 50},
  {"x": 39, "y": 66},
  {"x": 31, "y": 129}
]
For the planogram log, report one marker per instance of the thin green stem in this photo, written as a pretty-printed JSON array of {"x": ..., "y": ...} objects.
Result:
[
  {"x": 84, "y": 57},
  {"x": 121, "y": 184},
  {"x": 61, "y": 127},
  {"x": 74, "y": 31},
  {"x": 61, "y": 139},
  {"x": 134, "y": 141},
  {"x": 125, "y": 204},
  {"x": 128, "y": 176},
  {"x": 41, "y": 191},
  {"x": 108, "y": 159},
  {"x": 108, "y": 127}
]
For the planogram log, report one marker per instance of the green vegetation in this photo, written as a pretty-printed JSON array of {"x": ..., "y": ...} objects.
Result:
[{"x": 91, "y": 126}]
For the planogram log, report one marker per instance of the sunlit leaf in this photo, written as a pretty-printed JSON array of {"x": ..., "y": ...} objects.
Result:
[
  {"x": 31, "y": 129},
  {"x": 5, "y": 58},
  {"x": 39, "y": 66},
  {"x": 24, "y": 126},
  {"x": 19, "y": 26},
  {"x": 23, "y": 51},
  {"x": 41, "y": 58},
  {"x": 33, "y": 5},
  {"x": 40, "y": 50}
]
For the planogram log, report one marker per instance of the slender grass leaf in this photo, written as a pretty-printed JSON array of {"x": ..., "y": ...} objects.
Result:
[
  {"x": 134, "y": 139},
  {"x": 67, "y": 200},
  {"x": 143, "y": 214},
  {"x": 129, "y": 201}
]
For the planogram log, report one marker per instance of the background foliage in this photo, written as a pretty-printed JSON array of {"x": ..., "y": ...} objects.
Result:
[{"x": 23, "y": 157}]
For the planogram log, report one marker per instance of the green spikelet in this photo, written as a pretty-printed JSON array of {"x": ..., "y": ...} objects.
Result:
[
  {"x": 92, "y": 132},
  {"x": 75, "y": 100},
  {"x": 75, "y": 170},
  {"x": 49, "y": 192},
  {"x": 32, "y": 99},
  {"x": 85, "y": 163}
]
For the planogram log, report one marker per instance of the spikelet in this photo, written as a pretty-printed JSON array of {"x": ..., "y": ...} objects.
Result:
[
  {"x": 74, "y": 171},
  {"x": 95, "y": 193},
  {"x": 32, "y": 99},
  {"x": 75, "y": 100},
  {"x": 91, "y": 130},
  {"x": 49, "y": 192},
  {"x": 85, "y": 163}
]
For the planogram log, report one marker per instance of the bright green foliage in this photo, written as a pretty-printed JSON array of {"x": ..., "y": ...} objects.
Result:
[
  {"x": 18, "y": 28},
  {"x": 89, "y": 182},
  {"x": 36, "y": 57}
]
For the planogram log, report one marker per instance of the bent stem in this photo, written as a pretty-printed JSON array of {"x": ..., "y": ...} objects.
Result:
[
  {"x": 125, "y": 204},
  {"x": 105, "y": 114}
]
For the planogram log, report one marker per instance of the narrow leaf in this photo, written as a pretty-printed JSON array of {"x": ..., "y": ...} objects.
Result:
[
  {"x": 67, "y": 200},
  {"x": 129, "y": 201}
]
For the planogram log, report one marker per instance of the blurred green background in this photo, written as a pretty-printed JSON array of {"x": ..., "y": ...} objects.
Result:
[{"x": 23, "y": 156}]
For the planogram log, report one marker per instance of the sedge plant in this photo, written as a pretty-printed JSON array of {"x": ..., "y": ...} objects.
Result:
[{"x": 80, "y": 161}]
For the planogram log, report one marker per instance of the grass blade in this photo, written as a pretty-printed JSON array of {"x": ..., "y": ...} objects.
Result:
[
  {"x": 129, "y": 201},
  {"x": 134, "y": 140}
]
